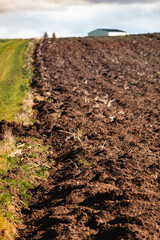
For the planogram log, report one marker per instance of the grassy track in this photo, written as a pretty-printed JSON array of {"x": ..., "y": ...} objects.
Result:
[
  {"x": 16, "y": 103},
  {"x": 13, "y": 76}
]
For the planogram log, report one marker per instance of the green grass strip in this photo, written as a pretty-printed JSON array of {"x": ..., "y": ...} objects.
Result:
[{"x": 14, "y": 76}]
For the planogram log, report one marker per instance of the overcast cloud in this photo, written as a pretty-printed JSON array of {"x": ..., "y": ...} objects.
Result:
[
  {"x": 28, "y": 18},
  {"x": 12, "y": 5}
]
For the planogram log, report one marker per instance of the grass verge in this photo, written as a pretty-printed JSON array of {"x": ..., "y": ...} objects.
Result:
[
  {"x": 22, "y": 166},
  {"x": 15, "y": 75},
  {"x": 18, "y": 161}
]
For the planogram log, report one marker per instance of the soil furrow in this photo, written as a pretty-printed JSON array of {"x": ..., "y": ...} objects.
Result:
[{"x": 98, "y": 109}]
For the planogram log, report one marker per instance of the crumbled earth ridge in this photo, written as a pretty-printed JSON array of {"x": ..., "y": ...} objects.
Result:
[{"x": 98, "y": 110}]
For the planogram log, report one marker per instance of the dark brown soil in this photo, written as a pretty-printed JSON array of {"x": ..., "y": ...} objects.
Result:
[{"x": 99, "y": 113}]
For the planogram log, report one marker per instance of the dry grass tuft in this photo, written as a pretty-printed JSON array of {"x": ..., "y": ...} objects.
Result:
[
  {"x": 3, "y": 164},
  {"x": 26, "y": 114},
  {"x": 8, "y": 144},
  {"x": 7, "y": 229}
]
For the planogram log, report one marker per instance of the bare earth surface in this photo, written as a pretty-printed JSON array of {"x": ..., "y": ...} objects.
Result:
[{"x": 98, "y": 110}]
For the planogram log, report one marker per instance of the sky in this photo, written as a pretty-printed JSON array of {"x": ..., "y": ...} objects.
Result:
[{"x": 32, "y": 18}]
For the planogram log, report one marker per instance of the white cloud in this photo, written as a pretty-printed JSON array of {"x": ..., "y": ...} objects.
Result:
[
  {"x": 28, "y": 33},
  {"x": 12, "y": 5},
  {"x": 3, "y": 31},
  {"x": 15, "y": 5},
  {"x": 80, "y": 19},
  {"x": 79, "y": 13}
]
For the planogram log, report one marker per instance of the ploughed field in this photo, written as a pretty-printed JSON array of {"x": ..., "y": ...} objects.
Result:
[{"x": 98, "y": 110}]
